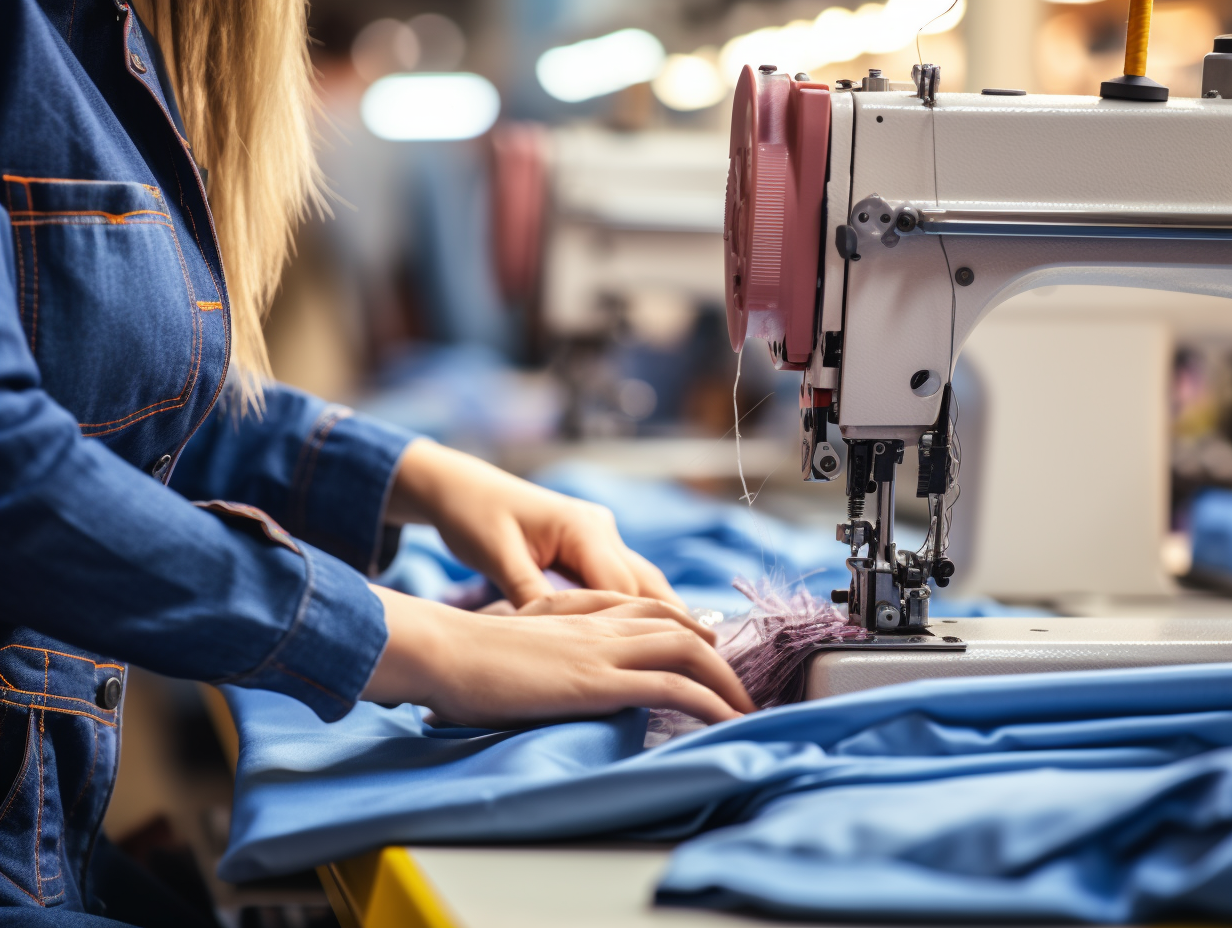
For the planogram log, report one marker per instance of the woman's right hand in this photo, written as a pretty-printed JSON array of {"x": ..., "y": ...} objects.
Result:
[{"x": 498, "y": 671}]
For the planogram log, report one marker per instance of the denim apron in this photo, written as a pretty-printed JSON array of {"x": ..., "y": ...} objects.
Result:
[{"x": 121, "y": 299}]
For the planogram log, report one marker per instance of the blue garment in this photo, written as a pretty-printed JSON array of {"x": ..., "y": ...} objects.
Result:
[
  {"x": 114, "y": 342},
  {"x": 308, "y": 792}
]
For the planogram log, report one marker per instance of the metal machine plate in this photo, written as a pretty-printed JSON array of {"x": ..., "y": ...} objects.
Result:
[{"x": 1024, "y": 645}]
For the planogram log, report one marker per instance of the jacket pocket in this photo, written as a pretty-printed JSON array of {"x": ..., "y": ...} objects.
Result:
[{"x": 105, "y": 298}]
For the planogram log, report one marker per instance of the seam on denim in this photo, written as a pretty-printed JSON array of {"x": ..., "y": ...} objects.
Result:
[
  {"x": 89, "y": 779},
  {"x": 96, "y": 430},
  {"x": 21, "y": 263},
  {"x": 193, "y": 224},
  {"x": 20, "y": 887},
  {"x": 300, "y": 611},
  {"x": 32, "y": 224},
  {"x": 49, "y": 695},
  {"x": 313, "y": 683},
  {"x": 114, "y": 219},
  {"x": 72, "y": 14},
  {"x": 305, "y": 464},
  {"x": 34, "y": 708},
  {"x": 76, "y": 657},
  {"x": 38, "y": 821},
  {"x": 20, "y": 179},
  {"x": 34, "y": 262}
]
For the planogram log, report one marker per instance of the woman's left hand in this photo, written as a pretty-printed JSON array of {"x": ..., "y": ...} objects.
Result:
[{"x": 511, "y": 530}]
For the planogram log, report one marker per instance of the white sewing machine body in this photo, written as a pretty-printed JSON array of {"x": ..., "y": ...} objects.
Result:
[
  {"x": 936, "y": 208},
  {"x": 1025, "y": 191}
]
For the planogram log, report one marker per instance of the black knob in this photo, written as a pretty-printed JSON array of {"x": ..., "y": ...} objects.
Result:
[
  {"x": 918, "y": 379},
  {"x": 964, "y": 276},
  {"x": 828, "y": 463},
  {"x": 846, "y": 241},
  {"x": 109, "y": 693},
  {"x": 839, "y": 597},
  {"x": 944, "y": 569}
]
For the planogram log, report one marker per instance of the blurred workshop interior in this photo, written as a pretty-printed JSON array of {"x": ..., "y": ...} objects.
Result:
[{"x": 522, "y": 257}]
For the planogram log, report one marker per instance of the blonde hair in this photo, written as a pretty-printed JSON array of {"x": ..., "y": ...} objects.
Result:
[{"x": 244, "y": 83}]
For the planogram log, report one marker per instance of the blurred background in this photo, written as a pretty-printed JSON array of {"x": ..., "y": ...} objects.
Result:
[{"x": 524, "y": 260}]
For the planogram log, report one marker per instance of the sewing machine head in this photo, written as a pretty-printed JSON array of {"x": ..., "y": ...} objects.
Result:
[{"x": 870, "y": 228}]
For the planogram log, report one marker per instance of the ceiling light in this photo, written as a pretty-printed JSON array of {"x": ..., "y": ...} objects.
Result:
[{"x": 430, "y": 107}]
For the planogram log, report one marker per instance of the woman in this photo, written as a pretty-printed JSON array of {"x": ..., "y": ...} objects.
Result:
[{"x": 133, "y": 380}]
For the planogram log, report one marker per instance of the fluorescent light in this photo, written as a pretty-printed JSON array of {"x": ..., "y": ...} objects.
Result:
[
  {"x": 839, "y": 34},
  {"x": 689, "y": 82},
  {"x": 430, "y": 107},
  {"x": 595, "y": 67}
]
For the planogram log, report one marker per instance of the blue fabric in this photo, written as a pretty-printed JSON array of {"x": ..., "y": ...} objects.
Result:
[
  {"x": 1211, "y": 521},
  {"x": 114, "y": 344},
  {"x": 1090, "y": 795}
]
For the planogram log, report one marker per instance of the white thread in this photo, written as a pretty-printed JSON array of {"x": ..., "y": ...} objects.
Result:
[{"x": 736, "y": 409}]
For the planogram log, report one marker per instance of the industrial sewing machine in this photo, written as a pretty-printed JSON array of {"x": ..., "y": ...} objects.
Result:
[{"x": 869, "y": 229}]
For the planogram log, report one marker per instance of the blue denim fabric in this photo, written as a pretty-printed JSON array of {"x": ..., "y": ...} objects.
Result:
[{"x": 114, "y": 341}]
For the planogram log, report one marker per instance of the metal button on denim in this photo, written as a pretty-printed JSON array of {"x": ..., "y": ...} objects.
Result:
[
  {"x": 109, "y": 693},
  {"x": 138, "y": 64},
  {"x": 161, "y": 467}
]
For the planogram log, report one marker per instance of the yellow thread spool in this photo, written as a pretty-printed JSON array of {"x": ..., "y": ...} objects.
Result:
[{"x": 1137, "y": 36}]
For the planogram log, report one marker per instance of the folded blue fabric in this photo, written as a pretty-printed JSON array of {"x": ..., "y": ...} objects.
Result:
[
  {"x": 1106, "y": 846},
  {"x": 945, "y": 754}
]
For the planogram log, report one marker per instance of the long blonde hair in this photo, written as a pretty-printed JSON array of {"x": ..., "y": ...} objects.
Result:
[{"x": 244, "y": 82}]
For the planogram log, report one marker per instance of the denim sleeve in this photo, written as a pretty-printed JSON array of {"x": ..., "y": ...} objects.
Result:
[
  {"x": 319, "y": 469},
  {"x": 102, "y": 556}
]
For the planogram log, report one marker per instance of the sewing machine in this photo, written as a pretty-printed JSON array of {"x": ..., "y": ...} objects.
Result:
[{"x": 871, "y": 228}]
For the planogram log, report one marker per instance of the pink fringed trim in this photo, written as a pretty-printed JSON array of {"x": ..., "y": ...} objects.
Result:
[{"x": 768, "y": 651}]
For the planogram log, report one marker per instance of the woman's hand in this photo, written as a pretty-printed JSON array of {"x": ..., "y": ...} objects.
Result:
[
  {"x": 511, "y": 530},
  {"x": 495, "y": 671}
]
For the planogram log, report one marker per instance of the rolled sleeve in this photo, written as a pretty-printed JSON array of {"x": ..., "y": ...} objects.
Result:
[{"x": 323, "y": 471}]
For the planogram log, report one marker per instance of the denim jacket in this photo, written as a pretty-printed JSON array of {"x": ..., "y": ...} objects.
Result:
[{"x": 114, "y": 342}]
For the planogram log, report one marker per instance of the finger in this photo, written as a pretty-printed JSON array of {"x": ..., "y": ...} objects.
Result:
[
  {"x": 654, "y": 609},
  {"x": 682, "y": 653},
  {"x": 651, "y": 581},
  {"x": 588, "y": 553},
  {"x": 500, "y": 607},
  {"x": 662, "y": 690},
  {"x": 574, "y": 602},
  {"x": 515, "y": 572}
]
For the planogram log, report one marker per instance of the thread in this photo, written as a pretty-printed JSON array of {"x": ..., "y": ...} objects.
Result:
[
  {"x": 736, "y": 410},
  {"x": 1137, "y": 36}
]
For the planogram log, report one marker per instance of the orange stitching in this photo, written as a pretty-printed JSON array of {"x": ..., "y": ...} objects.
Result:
[
  {"x": 208, "y": 307},
  {"x": 33, "y": 224},
  {"x": 190, "y": 379},
  {"x": 179, "y": 399},
  {"x": 70, "y": 180},
  {"x": 19, "y": 886},
  {"x": 76, "y": 657},
  {"x": 117, "y": 219},
  {"x": 88, "y": 702},
  {"x": 35, "y": 264},
  {"x": 89, "y": 778},
  {"x": 86, "y": 715},
  {"x": 193, "y": 222},
  {"x": 291, "y": 673}
]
